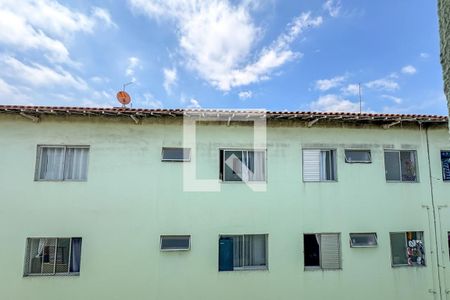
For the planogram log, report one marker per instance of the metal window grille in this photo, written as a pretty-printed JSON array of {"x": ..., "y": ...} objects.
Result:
[{"x": 52, "y": 256}]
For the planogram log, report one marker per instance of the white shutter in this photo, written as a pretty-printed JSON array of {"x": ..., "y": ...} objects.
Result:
[
  {"x": 311, "y": 165},
  {"x": 330, "y": 251}
]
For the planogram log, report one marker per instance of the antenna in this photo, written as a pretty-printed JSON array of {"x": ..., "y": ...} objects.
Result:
[
  {"x": 123, "y": 96},
  {"x": 360, "y": 101}
]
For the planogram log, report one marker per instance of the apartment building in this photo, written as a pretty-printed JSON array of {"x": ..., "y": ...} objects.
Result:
[{"x": 119, "y": 203}]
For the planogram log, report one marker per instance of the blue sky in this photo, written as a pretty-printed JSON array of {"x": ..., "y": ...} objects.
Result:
[{"x": 278, "y": 55}]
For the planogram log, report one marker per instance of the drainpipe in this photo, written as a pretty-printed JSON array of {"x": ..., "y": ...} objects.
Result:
[{"x": 434, "y": 216}]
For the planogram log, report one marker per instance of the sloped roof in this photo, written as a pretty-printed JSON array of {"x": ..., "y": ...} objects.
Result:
[{"x": 139, "y": 113}]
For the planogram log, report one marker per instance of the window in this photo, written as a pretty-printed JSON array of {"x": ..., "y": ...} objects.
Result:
[
  {"x": 53, "y": 256},
  {"x": 400, "y": 165},
  {"x": 357, "y": 156},
  {"x": 62, "y": 163},
  {"x": 445, "y": 158},
  {"x": 448, "y": 241},
  {"x": 242, "y": 252},
  {"x": 176, "y": 154},
  {"x": 175, "y": 242},
  {"x": 407, "y": 248},
  {"x": 363, "y": 240},
  {"x": 322, "y": 251},
  {"x": 319, "y": 165},
  {"x": 243, "y": 165}
]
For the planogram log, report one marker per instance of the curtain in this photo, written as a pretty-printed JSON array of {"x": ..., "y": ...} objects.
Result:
[
  {"x": 256, "y": 165},
  {"x": 76, "y": 164},
  {"x": 244, "y": 168},
  {"x": 255, "y": 250},
  {"x": 408, "y": 165},
  {"x": 51, "y": 163},
  {"x": 41, "y": 245},
  {"x": 75, "y": 256},
  {"x": 237, "y": 251}
]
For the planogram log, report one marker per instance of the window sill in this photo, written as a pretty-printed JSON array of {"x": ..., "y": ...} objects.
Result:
[
  {"x": 321, "y": 181},
  {"x": 308, "y": 269},
  {"x": 255, "y": 268},
  {"x": 175, "y": 250},
  {"x": 174, "y": 160},
  {"x": 243, "y": 182},
  {"x": 407, "y": 266},
  {"x": 53, "y": 275},
  {"x": 400, "y": 181},
  {"x": 58, "y": 180}
]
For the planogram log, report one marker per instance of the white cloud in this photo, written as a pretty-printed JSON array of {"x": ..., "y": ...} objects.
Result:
[
  {"x": 99, "y": 79},
  {"x": 14, "y": 31},
  {"x": 13, "y": 95},
  {"x": 133, "y": 64},
  {"x": 103, "y": 15},
  {"x": 150, "y": 101},
  {"x": 424, "y": 55},
  {"x": 396, "y": 100},
  {"x": 44, "y": 25},
  {"x": 351, "y": 89},
  {"x": 326, "y": 84},
  {"x": 193, "y": 103},
  {"x": 170, "y": 79},
  {"x": 245, "y": 94},
  {"x": 217, "y": 39},
  {"x": 409, "y": 69},
  {"x": 384, "y": 84},
  {"x": 333, "y": 7},
  {"x": 334, "y": 103},
  {"x": 38, "y": 75}
]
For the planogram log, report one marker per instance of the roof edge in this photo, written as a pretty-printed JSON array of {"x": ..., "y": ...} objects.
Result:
[{"x": 139, "y": 113}]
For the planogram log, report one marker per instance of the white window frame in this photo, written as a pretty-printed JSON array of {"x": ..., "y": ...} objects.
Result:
[
  {"x": 406, "y": 239},
  {"x": 27, "y": 264},
  {"x": 65, "y": 147},
  {"x": 224, "y": 150},
  {"x": 320, "y": 267},
  {"x": 400, "y": 165},
  {"x": 174, "y": 236},
  {"x": 333, "y": 152},
  {"x": 363, "y": 234},
  {"x": 188, "y": 150},
  {"x": 250, "y": 268},
  {"x": 358, "y": 161}
]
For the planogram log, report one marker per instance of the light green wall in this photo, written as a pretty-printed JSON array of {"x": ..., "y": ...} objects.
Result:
[{"x": 131, "y": 198}]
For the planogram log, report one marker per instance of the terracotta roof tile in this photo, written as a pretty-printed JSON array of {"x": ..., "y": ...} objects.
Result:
[{"x": 143, "y": 112}]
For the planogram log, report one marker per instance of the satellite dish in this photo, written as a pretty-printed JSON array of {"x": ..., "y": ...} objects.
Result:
[{"x": 123, "y": 98}]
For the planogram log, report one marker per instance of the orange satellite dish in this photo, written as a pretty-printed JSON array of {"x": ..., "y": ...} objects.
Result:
[{"x": 123, "y": 97}]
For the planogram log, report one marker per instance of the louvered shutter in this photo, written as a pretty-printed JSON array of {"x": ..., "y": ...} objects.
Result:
[
  {"x": 330, "y": 251},
  {"x": 311, "y": 165}
]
